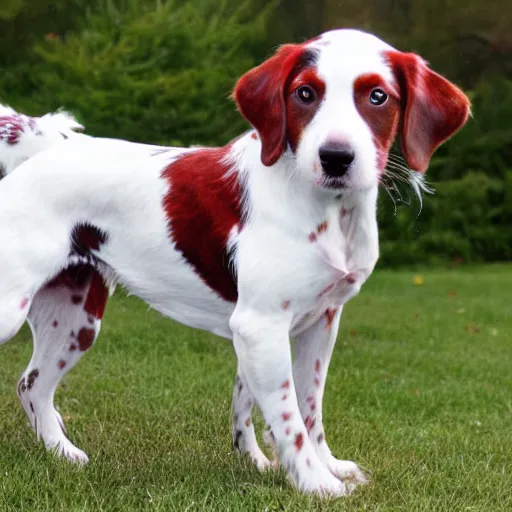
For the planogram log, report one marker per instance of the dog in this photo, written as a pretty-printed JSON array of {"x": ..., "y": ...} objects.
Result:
[{"x": 258, "y": 241}]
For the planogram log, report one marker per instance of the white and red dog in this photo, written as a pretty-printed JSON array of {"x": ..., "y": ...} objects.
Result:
[{"x": 258, "y": 241}]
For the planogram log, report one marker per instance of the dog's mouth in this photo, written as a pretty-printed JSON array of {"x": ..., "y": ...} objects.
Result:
[{"x": 333, "y": 182}]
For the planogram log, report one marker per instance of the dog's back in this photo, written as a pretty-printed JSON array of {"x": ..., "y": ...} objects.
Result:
[{"x": 21, "y": 136}]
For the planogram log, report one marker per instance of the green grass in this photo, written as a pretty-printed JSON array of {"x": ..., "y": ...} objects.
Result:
[{"x": 419, "y": 393}]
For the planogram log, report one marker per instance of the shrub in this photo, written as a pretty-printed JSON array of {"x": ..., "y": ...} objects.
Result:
[
  {"x": 150, "y": 71},
  {"x": 469, "y": 219}
]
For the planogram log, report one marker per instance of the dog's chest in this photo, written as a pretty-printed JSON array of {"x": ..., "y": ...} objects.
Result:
[{"x": 342, "y": 253}]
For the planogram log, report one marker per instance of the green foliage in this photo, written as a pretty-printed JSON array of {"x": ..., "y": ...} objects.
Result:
[
  {"x": 469, "y": 219},
  {"x": 157, "y": 72}
]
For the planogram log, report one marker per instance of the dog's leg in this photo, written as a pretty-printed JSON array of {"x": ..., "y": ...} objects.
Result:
[
  {"x": 244, "y": 437},
  {"x": 65, "y": 321},
  {"x": 313, "y": 350},
  {"x": 263, "y": 349}
]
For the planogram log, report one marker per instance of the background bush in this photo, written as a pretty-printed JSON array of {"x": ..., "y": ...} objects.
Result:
[{"x": 161, "y": 71}]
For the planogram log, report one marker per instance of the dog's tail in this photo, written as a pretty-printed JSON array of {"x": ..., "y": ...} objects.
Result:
[{"x": 21, "y": 136}]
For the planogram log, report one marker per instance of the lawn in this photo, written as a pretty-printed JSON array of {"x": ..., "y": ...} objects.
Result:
[{"x": 419, "y": 393}]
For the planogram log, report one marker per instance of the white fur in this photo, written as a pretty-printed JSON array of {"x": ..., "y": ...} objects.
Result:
[{"x": 117, "y": 186}]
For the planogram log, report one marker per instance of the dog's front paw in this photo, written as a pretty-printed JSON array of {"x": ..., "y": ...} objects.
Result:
[
  {"x": 311, "y": 476},
  {"x": 321, "y": 482},
  {"x": 347, "y": 471}
]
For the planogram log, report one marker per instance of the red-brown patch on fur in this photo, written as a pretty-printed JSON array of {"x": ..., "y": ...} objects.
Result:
[
  {"x": 344, "y": 212},
  {"x": 310, "y": 399},
  {"x": 203, "y": 197},
  {"x": 13, "y": 126},
  {"x": 61, "y": 363},
  {"x": 284, "y": 397},
  {"x": 73, "y": 278},
  {"x": 300, "y": 114},
  {"x": 247, "y": 422},
  {"x": 76, "y": 299},
  {"x": 260, "y": 97},
  {"x": 55, "y": 323},
  {"x": 322, "y": 227},
  {"x": 285, "y": 304},
  {"x": 433, "y": 108},
  {"x": 96, "y": 299},
  {"x": 31, "y": 377},
  {"x": 320, "y": 438},
  {"x": 23, "y": 303},
  {"x": 317, "y": 384},
  {"x": 285, "y": 384},
  {"x": 72, "y": 347},
  {"x": 254, "y": 136},
  {"x": 310, "y": 423},
  {"x": 86, "y": 338},
  {"x": 87, "y": 237},
  {"x": 287, "y": 431},
  {"x": 286, "y": 416},
  {"x": 312, "y": 236},
  {"x": 299, "y": 441},
  {"x": 329, "y": 316},
  {"x": 317, "y": 366},
  {"x": 382, "y": 119},
  {"x": 266, "y": 98},
  {"x": 312, "y": 406}
]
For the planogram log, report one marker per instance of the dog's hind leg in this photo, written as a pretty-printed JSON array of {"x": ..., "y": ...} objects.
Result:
[
  {"x": 65, "y": 319},
  {"x": 244, "y": 437}
]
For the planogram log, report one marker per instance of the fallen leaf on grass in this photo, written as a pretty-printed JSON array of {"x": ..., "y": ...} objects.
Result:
[
  {"x": 471, "y": 327},
  {"x": 418, "y": 280}
]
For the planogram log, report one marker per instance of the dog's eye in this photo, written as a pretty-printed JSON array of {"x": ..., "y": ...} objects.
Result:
[
  {"x": 378, "y": 97},
  {"x": 305, "y": 94}
]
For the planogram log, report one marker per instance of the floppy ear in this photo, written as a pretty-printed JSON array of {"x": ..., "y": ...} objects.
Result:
[
  {"x": 260, "y": 97},
  {"x": 433, "y": 108}
]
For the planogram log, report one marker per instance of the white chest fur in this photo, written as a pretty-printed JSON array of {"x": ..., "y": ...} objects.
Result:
[{"x": 302, "y": 249}]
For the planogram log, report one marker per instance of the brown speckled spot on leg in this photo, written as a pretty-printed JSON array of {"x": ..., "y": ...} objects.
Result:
[
  {"x": 85, "y": 338},
  {"x": 236, "y": 442},
  {"x": 31, "y": 377}
]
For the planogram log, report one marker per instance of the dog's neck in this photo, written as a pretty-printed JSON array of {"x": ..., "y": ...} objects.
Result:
[{"x": 281, "y": 196}]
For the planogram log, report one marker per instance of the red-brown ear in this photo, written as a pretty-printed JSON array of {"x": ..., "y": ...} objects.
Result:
[
  {"x": 433, "y": 108},
  {"x": 260, "y": 97}
]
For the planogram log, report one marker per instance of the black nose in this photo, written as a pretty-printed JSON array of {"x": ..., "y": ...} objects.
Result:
[{"x": 336, "y": 159}]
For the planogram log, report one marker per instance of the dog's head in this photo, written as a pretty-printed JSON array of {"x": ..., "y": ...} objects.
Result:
[{"x": 337, "y": 102}]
